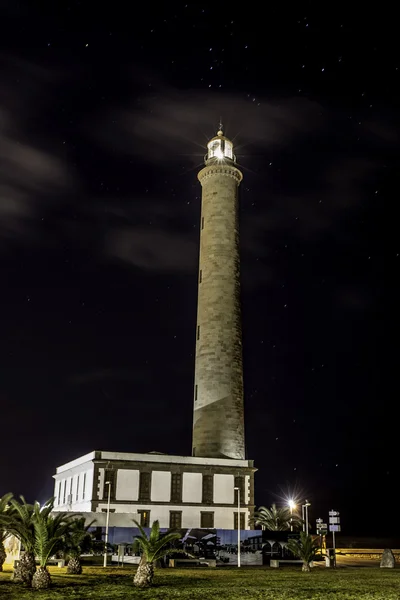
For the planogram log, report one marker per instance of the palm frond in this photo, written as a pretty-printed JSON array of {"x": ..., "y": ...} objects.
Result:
[
  {"x": 4, "y": 502},
  {"x": 276, "y": 519},
  {"x": 163, "y": 542},
  {"x": 77, "y": 538},
  {"x": 306, "y": 548},
  {"x": 156, "y": 545},
  {"x": 50, "y": 531},
  {"x": 20, "y": 522},
  {"x": 154, "y": 532}
]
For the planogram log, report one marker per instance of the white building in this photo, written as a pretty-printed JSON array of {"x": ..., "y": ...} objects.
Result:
[{"x": 179, "y": 491}]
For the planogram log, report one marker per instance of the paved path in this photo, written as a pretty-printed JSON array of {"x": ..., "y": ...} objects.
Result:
[{"x": 350, "y": 561}]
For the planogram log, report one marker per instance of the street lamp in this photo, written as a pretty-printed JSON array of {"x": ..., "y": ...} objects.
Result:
[
  {"x": 238, "y": 523},
  {"x": 107, "y": 523},
  {"x": 292, "y": 505},
  {"x": 304, "y": 514}
]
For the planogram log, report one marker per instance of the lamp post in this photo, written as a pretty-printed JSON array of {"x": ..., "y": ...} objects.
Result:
[
  {"x": 292, "y": 505},
  {"x": 238, "y": 523},
  {"x": 107, "y": 523},
  {"x": 304, "y": 514}
]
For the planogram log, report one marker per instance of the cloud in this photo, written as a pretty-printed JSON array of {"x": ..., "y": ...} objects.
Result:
[
  {"x": 153, "y": 249},
  {"x": 30, "y": 175},
  {"x": 166, "y": 123},
  {"x": 163, "y": 129}
]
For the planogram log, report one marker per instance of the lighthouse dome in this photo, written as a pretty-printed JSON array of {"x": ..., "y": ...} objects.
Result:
[{"x": 220, "y": 148}]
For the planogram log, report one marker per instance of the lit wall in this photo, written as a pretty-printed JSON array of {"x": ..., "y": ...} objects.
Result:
[
  {"x": 191, "y": 515},
  {"x": 73, "y": 488},
  {"x": 192, "y": 487},
  {"x": 224, "y": 489},
  {"x": 160, "y": 486},
  {"x": 127, "y": 484}
]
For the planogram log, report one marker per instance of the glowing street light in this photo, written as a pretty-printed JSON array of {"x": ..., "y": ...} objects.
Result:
[{"x": 292, "y": 505}]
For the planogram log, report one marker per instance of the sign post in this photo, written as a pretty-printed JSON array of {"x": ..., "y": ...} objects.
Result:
[
  {"x": 322, "y": 529},
  {"x": 334, "y": 527}
]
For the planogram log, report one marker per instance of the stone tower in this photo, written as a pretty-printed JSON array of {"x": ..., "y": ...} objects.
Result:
[{"x": 218, "y": 413}]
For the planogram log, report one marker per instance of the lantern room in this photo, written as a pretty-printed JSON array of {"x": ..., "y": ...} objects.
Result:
[{"x": 220, "y": 149}]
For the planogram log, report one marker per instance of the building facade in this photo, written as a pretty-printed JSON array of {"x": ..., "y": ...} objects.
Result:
[
  {"x": 179, "y": 491},
  {"x": 218, "y": 411}
]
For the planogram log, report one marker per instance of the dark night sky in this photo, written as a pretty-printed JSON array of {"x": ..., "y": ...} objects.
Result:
[{"x": 104, "y": 117}]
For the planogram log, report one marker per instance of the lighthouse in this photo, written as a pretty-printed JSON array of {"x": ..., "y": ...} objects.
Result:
[
  {"x": 214, "y": 487},
  {"x": 218, "y": 411}
]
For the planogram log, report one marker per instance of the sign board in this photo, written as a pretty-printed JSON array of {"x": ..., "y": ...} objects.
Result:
[
  {"x": 318, "y": 520},
  {"x": 334, "y": 513},
  {"x": 334, "y": 520},
  {"x": 334, "y": 528}
]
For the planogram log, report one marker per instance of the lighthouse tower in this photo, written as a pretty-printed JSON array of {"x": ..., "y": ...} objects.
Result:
[
  {"x": 218, "y": 413},
  {"x": 213, "y": 488}
]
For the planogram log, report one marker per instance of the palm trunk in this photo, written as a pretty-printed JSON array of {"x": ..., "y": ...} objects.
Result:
[
  {"x": 41, "y": 579},
  {"x": 25, "y": 569},
  {"x": 74, "y": 566},
  {"x": 2, "y": 555},
  {"x": 144, "y": 574},
  {"x": 306, "y": 567}
]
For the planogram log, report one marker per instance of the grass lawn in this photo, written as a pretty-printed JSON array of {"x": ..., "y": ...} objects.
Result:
[{"x": 288, "y": 583}]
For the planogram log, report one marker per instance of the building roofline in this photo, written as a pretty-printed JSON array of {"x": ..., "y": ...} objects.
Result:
[{"x": 100, "y": 455}]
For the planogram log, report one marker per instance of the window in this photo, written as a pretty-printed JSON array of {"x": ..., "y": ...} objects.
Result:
[
  {"x": 175, "y": 519},
  {"x": 195, "y": 393},
  {"x": 77, "y": 488},
  {"x": 198, "y": 332},
  {"x": 208, "y": 489},
  {"x": 207, "y": 520},
  {"x": 59, "y": 492},
  {"x": 176, "y": 487},
  {"x": 202, "y": 222},
  {"x": 65, "y": 491},
  {"x": 144, "y": 486},
  {"x": 200, "y": 276},
  {"x": 83, "y": 486},
  {"x": 242, "y": 520},
  {"x": 144, "y": 517},
  {"x": 239, "y": 483},
  {"x": 109, "y": 475},
  {"x": 70, "y": 486}
]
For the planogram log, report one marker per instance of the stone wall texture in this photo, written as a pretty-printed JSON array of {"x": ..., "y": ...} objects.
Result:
[{"x": 218, "y": 422}]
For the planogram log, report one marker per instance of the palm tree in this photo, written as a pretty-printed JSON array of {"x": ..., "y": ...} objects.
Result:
[
  {"x": 276, "y": 519},
  {"x": 50, "y": 533},
  {"x": 306, "y": 548},
  {"x": 20, "y": 523},
  {"x": 4, "y": 506},
  {"x": 78, "y": 540},
  {"x": 153, "y": 547}
]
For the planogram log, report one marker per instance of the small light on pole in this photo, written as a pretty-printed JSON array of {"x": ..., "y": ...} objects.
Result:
[
  {"x": 304, "y": 513},
  {"x": 238, "y": 523},
  {"x": 107, "y": 523},
  {"x": 292, "y": 505}
]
